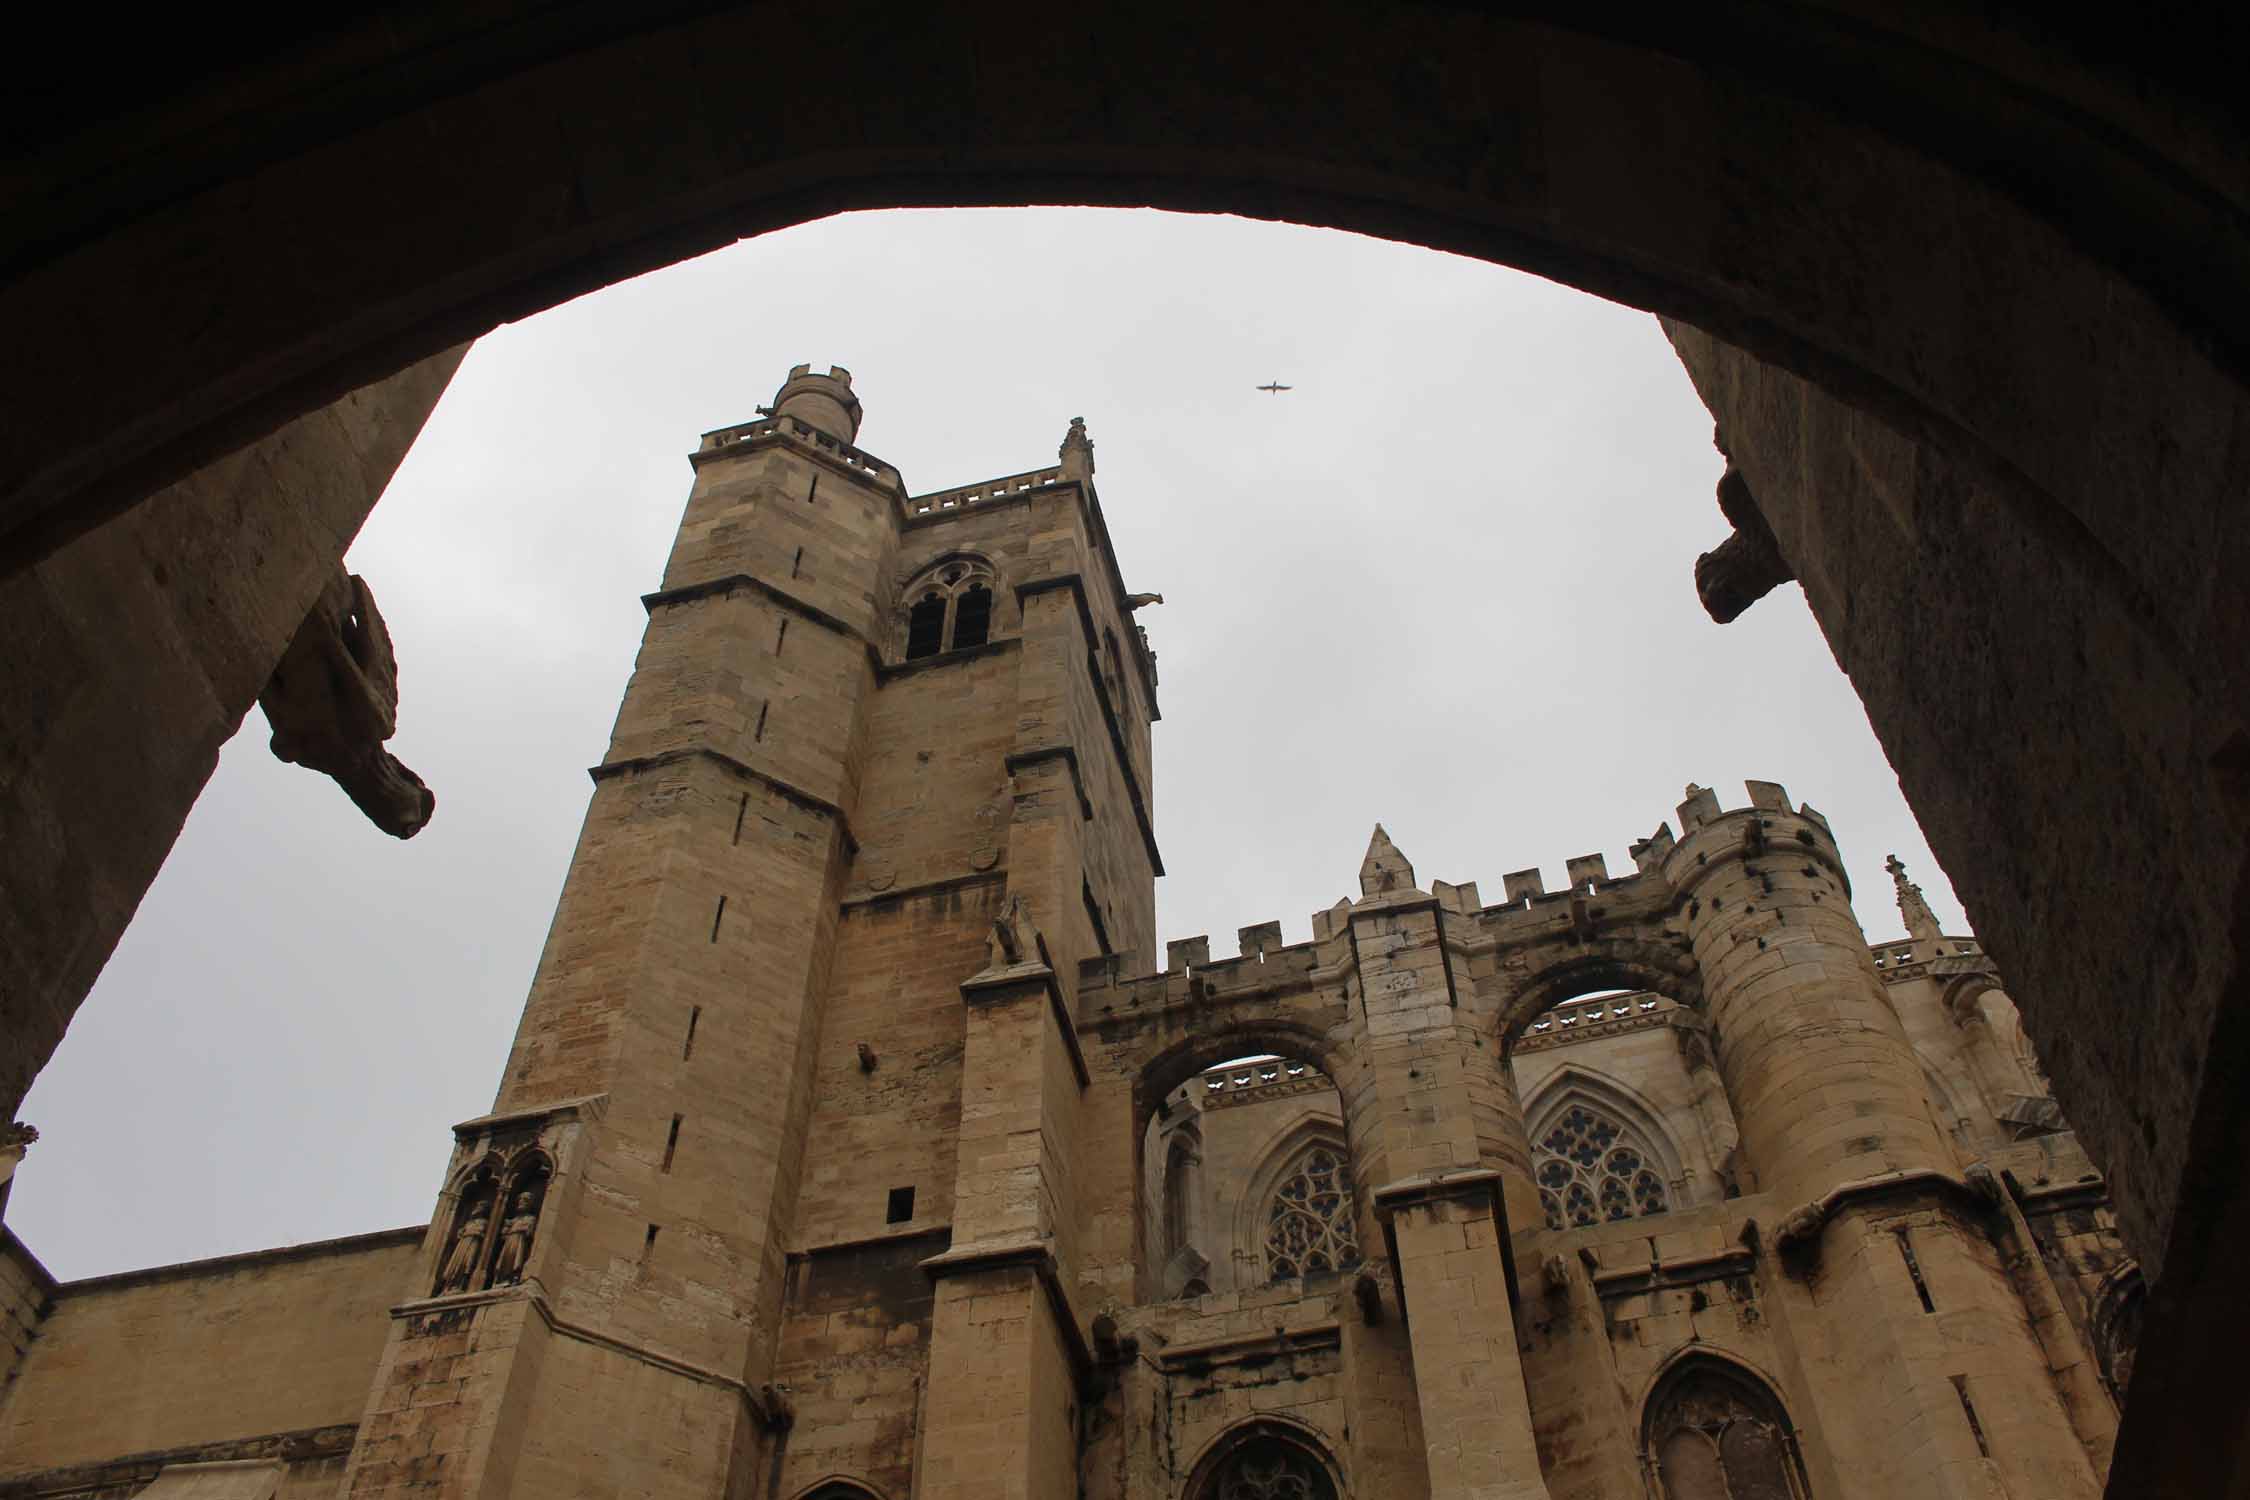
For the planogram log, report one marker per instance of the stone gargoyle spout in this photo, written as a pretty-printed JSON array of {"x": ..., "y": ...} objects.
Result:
[{"x": 333, "y": 701}]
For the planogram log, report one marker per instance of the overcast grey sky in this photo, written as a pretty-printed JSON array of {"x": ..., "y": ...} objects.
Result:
[{"x": 1444, "y": 583}]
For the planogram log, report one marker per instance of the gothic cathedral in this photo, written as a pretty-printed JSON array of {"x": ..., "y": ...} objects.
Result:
[{"x": 860, "y": 1142}]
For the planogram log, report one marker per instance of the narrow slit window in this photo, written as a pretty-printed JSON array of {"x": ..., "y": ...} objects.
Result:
[
  {"x": 1914, "y": 1269},
  {"x": 796, "y": 562},
  {"x": 900, "y": 1209},
  {"x": 687, "y": 1044},
  {"x": 671, "y": 1144},
  {"x": 761, "y": 731},
  {"x": 925, "y": 627},
  {"x": 742, "y": 808},
  {"x": 972, "y": 618},
  {"x": 812, "y": 491},
  {"x": 717, "y": 917},
  {"x": 779, "y": 636},
  {"x": 648, "y": 1245},
  {"x": 1969, "y": 1410}
]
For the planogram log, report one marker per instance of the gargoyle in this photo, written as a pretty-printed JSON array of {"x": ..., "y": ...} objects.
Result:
[{"x": 333, "y": 700}]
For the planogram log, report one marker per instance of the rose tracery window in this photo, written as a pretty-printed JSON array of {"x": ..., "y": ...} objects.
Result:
[
  {"x": 1591, "y": 1170},
  {"x": 1309, "y": 1224},
  {"x": 1265, "y": 1467}
]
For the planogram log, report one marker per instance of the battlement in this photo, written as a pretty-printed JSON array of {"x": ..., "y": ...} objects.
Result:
[
  {"x": 743, "y": 436},
  {"x": 990, "y": 489},
  {"x": 1190, "y": 972}
]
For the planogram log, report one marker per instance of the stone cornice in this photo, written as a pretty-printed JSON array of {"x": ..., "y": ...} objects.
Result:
[
  {"x": 1005, "y": 984},
  {"x": 610, "y": 769},
  {"x": 1038, "y": 1257},
  {"x": 688, "y": 593},
  {"x": 351, "y": 1244},
  {"x": 762, "y": 1405},
  {"x": 134, "y": 1471},
  {"x": 1174, "y": 1359},
  {"x": 1016, "y": 760},
  {"x": 926, "y": 888},
  {"x": 591, "y": 1106}
]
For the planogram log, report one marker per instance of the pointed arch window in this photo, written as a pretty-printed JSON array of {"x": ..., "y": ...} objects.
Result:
[
  {"x": 1262, "y": 1462},
  {"x": 1593, "y": 1169},
  {"x": 949, "y": 608},
  {"x": 1309, "y": 1224},
  {"x": 1716, "y": 1432}
]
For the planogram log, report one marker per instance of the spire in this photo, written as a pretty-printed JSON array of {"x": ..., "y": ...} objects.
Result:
[
  {"x": 1921, "y": 922},
  {"x": 1384, "y": 868},
  {"x": 1077, "y": 451}
]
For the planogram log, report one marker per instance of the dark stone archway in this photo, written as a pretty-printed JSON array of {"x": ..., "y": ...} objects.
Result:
[{"x": 1969, "y": 294}]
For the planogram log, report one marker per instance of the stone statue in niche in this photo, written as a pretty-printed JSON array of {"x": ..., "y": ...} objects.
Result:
[
  {"x": 333, "y": 700},
  {"x": 515, "y": 1241},
  {"x": 465, "y": 1257}
]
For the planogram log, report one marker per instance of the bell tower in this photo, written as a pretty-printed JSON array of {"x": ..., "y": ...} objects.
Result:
[{"x": 757, "y": 1031}]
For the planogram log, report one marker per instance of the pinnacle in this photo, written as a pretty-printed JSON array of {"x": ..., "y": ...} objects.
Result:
[{"x": 1384, "y": 868}]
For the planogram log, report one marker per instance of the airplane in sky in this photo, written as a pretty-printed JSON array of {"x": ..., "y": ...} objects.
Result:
[{"x": 1276, "y": 387}]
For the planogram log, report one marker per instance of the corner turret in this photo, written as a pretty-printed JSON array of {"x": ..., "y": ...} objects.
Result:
[{"x": 825, "y": 401}]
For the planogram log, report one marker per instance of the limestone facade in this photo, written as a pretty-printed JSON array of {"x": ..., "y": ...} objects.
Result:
[{"x": 856, "y": 1140}]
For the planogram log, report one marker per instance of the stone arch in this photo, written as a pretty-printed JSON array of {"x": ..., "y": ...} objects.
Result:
[
  {"x": 2119, "y": 1303},
  {"x": 1184, "y": 1058},
  {"x": 464, "y": 1251},
  {"x": 1713, "y": 1427},
  {"x": 1606, "y": 964},
  {"x": 1277, "y": 1159},
  {"x": 1642, "y": 1131},
  {"x": 1256, "y": 1449},
  {"x": 839, "y": 1487}
]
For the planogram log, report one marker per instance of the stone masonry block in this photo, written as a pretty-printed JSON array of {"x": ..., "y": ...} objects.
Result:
[
  {"x": 1182, "y": 954},
  {"x": 1263, "y": 938}
]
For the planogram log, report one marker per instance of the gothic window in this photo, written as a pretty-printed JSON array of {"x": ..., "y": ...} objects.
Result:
[
  {"x": 1309, "y": 1226},
  {"x": 972, "y": 617},
  {"x": 925, "y": 627},
  {"x": 1591, "y": 1169},
  {"x": 951, "y": 608},
  {"x": 1715, "y": 1432},
  {"x": 1259, "y": 1464}
]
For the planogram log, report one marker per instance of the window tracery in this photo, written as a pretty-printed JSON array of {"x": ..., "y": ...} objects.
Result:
[
  {"x": 1592, "y": 1169},
  {"x": 949, "y": 608},
  {"x": 1309, "y": 1225},
  {"x": 1263, "y": 1466},
  {"x": 1715, "y": 1432}
]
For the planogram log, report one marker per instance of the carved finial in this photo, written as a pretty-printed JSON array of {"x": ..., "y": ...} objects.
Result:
[
  {"x": 1077, "y": 451},
  {"x": 1384, "y": 868},
  {"x": 1014, "y": 940},
  {"x": 1921, "y": 922}
]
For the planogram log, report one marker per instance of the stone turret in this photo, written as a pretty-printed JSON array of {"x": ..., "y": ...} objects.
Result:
[{"x": 822, "y": 401}]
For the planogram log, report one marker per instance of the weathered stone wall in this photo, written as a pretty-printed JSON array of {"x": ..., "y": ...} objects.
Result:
[
  {"x": 276, "y": 1342},
  {"x": 133, "y": 655},
  {"x": 27, "y": 1295}
]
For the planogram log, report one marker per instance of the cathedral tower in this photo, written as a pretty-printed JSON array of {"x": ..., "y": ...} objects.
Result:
[{"x": 862, "y": 726}]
